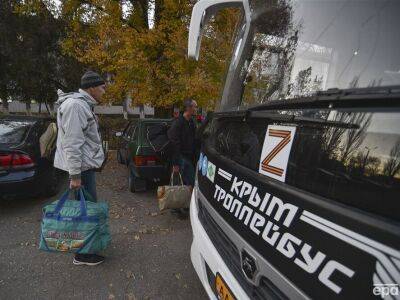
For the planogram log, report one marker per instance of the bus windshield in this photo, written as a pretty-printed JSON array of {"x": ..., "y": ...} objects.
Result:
[{"x": 296, "y": 48}]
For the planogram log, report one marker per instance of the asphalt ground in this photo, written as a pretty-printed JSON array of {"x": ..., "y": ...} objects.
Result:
[{"x": 149, "y": 257}]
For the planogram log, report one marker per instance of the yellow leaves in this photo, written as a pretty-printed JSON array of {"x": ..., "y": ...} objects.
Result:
[
  {"x": 149, "y": 65},
  {"x": 28, "y": 7}
]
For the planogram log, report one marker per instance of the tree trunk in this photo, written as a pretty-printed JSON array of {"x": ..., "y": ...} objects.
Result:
[
  {"x": 141, "y": 111},
  {"x": 157, "y": 11},
  {"x": 5, "y": 106},
  {"x": 145, "y": 11},
  {"x": 51, "y": 108},
  {"x": 28, "y": 108},
  {"x": 124, "y": 108},
  {"x": 47, "y": 108}
]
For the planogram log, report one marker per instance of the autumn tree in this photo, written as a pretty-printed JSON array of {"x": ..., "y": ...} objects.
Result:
[{"x": 146, "y": 57}]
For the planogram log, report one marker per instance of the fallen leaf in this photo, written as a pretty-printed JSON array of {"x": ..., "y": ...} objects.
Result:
[
  {"x": 137, "y": 237},
  {"x": 178, "y": 276},
  {"x": 129, "y": 274},
  {"x": 131, "y": 296}
]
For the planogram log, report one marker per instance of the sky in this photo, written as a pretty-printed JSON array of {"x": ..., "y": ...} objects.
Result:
[{"x": 125, "y": 9}]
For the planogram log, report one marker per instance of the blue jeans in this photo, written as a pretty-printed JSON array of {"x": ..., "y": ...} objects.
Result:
[
  {"x": 89, "y": 183},
  {"x": 187, "y": 171}
]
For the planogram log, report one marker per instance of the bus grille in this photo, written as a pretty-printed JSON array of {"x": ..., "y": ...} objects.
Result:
[{"x": 231, "y": 257}]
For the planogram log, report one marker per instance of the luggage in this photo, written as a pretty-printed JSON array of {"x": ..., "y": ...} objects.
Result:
[
  {"x": 174, "y": 196},
  {"x": 75, "y": 226},
  {"x": 47, "y": 140},
  {"x": 158, "y": 140}
]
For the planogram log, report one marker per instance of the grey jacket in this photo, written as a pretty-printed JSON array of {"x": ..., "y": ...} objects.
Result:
[{"x": 79, "y": 146}]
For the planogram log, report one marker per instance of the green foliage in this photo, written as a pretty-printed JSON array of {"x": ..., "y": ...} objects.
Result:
[
  {"x": 32, "y": 66},
  {"x": 112, "y": 37},
  {"x": 149, "y": 64}
]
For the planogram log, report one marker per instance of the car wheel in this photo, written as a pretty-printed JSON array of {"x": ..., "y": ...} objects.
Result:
[
  {"x": 131, "y": 186},
  {"x": 135, "y": 184},
  {"x": 126, "y": 162}
]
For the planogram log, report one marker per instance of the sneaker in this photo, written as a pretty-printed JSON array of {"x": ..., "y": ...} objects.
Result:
[{"x": 88, "y": 259}]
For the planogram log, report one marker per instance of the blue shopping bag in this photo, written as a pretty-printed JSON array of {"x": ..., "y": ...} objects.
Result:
[{"x": 75, "y": 226}]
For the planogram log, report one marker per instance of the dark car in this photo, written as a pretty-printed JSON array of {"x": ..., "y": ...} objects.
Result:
[
  {"x": 144, "y": 166},
  {"x": 22, "y": 169}
]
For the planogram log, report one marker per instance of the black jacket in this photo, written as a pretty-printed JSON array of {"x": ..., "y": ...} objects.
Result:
[{"x": 182, "y": 136}]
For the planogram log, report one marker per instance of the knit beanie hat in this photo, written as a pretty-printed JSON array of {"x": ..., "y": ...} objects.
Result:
[{"x": 91, "y": 79}]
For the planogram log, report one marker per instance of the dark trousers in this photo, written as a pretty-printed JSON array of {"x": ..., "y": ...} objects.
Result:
[
  {"x": 187, "y": 171},
  {"x": 88, "y": 179}
]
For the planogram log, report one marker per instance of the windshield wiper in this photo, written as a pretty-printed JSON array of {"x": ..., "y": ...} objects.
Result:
[
  {"x": 353, "y": 97},
  {"x": 385, "y": 90},
  {"x": 275, "y": 117},
  {"x": 298, "y": 119}
]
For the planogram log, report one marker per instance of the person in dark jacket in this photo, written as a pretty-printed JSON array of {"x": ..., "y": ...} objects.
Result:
[{"x": 182, "y": 136}]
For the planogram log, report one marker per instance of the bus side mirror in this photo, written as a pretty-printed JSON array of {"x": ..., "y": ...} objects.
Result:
[{"x": 201, "y": 14}]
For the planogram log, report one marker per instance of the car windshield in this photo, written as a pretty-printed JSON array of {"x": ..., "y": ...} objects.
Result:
[
  {"x": 13, "y": 131},
  {"x": 295, "y": 48}
]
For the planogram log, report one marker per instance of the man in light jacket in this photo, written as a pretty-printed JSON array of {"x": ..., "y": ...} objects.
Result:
[{"x": 79, "y": 148}]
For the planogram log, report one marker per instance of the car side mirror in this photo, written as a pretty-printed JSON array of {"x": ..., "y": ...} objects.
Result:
[{"x": 118, "y": 134}]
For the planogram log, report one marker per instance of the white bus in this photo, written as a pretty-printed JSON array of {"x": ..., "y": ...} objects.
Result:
[{"x": 298, "y": 183}]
